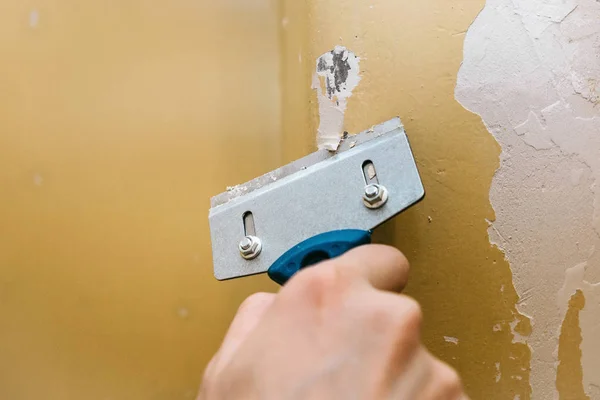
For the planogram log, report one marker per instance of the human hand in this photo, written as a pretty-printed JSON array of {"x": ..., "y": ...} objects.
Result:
[{"x": 334, "y": 331}]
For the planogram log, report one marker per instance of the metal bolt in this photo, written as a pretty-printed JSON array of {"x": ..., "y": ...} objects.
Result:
[
  {"x": 375, "y": 196},
  {"x": 245, "y": 244},
  {"x": 371, "y": 191},
  {"x": 250, "y": 247}
]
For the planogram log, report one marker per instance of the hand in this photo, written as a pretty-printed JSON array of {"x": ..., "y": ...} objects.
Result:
[{"x": 334, "y": 331}]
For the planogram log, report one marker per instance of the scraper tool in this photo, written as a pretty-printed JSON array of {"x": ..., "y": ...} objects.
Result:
[{"x": 315, "y": 208}]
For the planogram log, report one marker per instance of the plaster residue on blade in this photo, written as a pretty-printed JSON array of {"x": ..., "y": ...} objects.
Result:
[
  {"x": 376, "y": 131},
  {"x": 234, "y": 192},
  {"x": 337, "y": 75}
]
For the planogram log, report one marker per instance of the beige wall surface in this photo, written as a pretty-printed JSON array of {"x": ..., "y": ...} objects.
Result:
[{"x": 118, "y": 121}]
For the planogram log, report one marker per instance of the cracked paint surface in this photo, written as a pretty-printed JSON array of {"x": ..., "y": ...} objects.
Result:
[{"x": 531, "y": 70}]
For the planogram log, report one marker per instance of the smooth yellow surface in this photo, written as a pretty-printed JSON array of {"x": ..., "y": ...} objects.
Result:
[
  {"x": 118, "y": 120},
  {"x": 569, "y": 373}
]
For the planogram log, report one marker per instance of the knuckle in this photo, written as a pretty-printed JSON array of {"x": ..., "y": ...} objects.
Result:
[
  {"x": 412, "y": 314},
  {"x": 405, "y": 325},
  {"x": 401, "y": 261},
  {"x": 318, "y": 284},
  {"x": 381, "y": 316},
  {"x": 317, "y": 279},
  {"x": 399, "y": 270},
  {"x": 398, "y": 316}
]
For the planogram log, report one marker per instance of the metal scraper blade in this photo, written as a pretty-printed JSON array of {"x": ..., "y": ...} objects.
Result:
[{"x": 315, "y": 194}]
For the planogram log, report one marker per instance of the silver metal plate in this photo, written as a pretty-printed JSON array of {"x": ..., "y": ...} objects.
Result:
[{"x": 316, "y": 194}]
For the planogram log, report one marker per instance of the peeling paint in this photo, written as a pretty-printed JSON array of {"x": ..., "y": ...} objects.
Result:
[
  {"x": 337, "y": 75},
  {"x": 408, "y": 68},
  {"x": 530, "y": 70}
]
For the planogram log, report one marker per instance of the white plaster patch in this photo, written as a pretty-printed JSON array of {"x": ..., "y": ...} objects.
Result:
[
  {"x": 530, "y": 70},
  {"x": 337, "y": 75},
  {"x": 34, "y": 18},
  {"x": 533, "y": 133}
]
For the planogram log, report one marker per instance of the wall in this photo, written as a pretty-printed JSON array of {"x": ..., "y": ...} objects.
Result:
[
  {"x": 504, "y": 246},
  {"x": 118, "y": 121},
  {"x": 410, "y": 54},
  {"x": 531, "y": 70}
]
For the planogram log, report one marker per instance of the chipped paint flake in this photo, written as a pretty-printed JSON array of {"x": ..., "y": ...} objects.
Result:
[
  {"x": 498, "y": 372},
  {"x": 451, "y": 339},
  {"x": 337, "y": 75}
]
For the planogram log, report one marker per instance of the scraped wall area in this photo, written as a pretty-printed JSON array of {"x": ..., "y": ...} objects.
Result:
[
  {"x": 531, "y": 70},
  {"x": 410, "y": 54}
]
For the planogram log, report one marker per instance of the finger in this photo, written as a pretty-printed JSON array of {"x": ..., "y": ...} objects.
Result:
[
  {"x": 384, "y": 267},
  {"x": 445, "y": 384},
  {"x": 413, "y": 377},
  {"x": 247, "y": 317}
]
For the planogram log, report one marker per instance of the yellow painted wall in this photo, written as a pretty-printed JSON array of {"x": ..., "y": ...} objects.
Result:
[{"x": 118, "y": 120}]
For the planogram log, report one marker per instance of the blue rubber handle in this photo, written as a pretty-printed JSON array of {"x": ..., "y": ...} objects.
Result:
[{"x": 316, "y": 249}]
